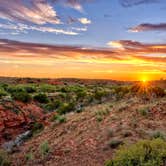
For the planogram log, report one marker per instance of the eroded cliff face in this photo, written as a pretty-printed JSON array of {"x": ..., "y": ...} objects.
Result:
[{"x": 17, "y": 117}]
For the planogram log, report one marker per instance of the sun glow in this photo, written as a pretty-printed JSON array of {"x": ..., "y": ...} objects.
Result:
[{"x": 144, "y": 80}]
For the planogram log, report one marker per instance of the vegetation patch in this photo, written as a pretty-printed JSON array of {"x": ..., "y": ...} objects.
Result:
[
  {"x": 59, "y": 118},
  {"x": 41, "y": 98},
  {"x": 37, "y": 128},
  {"x": 143, "y": 153},
  {"x": 144, "y": 111},
  {"x": 44, "y": 148},
  {"x": 21, "y": 96},
  {"x": 4, "y": 159}
]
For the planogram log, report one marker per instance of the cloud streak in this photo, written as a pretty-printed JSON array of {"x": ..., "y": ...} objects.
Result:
[
  {"x": 148, "y": 27},
  {"x": 130, "y": 3},
  {"x": 23, "y": 28},
  {"x": 132, "y": 51}
]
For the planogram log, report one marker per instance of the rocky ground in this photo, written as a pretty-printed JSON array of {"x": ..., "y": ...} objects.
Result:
[{"x": 91, "y": 137}]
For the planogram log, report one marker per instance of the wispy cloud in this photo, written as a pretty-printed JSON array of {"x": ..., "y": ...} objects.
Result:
[
  {"x": 23, "y": 28},
  {"x": 38, "y": 11},
  {"x": 24, "y": 16},
  {"x": 148, "y": 27},
  {"x": 75, "y": 4},
  {"x": 129, "y": 3}
]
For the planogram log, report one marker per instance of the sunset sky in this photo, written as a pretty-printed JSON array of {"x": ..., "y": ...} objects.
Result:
[{"x": 107, "y": 39}]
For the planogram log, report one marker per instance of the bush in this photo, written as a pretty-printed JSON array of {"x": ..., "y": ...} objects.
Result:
[
  {"x": 66, "y": 108},
  {"x": 4, "y": 159},
  {"x": 30, "y": 89},
  {"x": 100, "y": 115},
  {"x": 29, "y": 156},
  {"x": 59, "y": 118},
  {"x": 99, "y": 118},
  {"x": 3, "y": 92},
  {"x": 15, "y": 88},
  {"x": 51, "y": 106},
  {"x": 44, "y": 148},
  {"x": 99, "y": 94},
  {"x": 143, "y": 153},
  {"x": 41, "y": 98},
  {"x": 21, "y": 96},
  {"x": 37, "y": 128},
  {"x": 144, "y": 111},
  {"x": 80, "y": 94},
  {"x": 47, "y": 88}
]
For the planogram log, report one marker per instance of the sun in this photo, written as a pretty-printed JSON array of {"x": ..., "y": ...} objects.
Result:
[{"x": 144, "y": 80}]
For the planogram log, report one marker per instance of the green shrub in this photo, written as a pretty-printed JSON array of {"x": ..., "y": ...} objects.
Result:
[
  {"x": 29, "y": 156},
  {"x": 51, "y": 106},
  {"x": 41, "y": 98},
  {"x": 64, "y": 89},
  {"x": 21, "y": 96},
  {"x": 101, "y": 114},
  {"x": 99, "y": 118},
  {"x": 4, "y": 86},
  {"x": 144, "y": 111},
  {"x": 37, "y": 128},
  {"x": 81, "y": 94},
  {"x": 99, "y": 94},
  {"x": 66, "y": 108},
  {"x": 30, "y": 89},
  {"x": 44, "y": 148},
  {"x": 143, "y": 153},
  {"x": 4, "y": 159},
  {"x": 15, "y": 88},
  {"x": 59, "y": 118},
  {"x": 47, "y": 88},
  {"x": 3, "y": 92}
]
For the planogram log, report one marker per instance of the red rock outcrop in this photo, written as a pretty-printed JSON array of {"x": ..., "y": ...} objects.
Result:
[{"x": 17, "y": 117}]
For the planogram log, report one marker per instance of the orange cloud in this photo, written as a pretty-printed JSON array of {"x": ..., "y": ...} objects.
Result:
[{"x": 76, "y": 61}]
